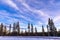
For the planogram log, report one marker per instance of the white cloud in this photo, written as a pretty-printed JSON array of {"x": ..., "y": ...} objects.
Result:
[
  {"x": 24, "y": 17},
  {"x": 39, "y": 12},
  {"x": 57, "y": 18},
  {"x": 4, "y": 15},
  {"x": 10, "y": 3}
]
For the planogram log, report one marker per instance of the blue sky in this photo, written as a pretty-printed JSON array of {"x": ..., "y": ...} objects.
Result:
[{"x": 36, "y": 12}]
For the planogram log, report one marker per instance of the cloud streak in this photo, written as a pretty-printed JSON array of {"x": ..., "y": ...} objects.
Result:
[
  {"x": 35, "y": 11},
  {"x": 11, "y": 3}
]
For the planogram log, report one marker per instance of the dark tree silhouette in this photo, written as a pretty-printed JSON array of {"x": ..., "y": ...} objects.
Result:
[
  {"x": 35, "y": 30},
  {"x": 30, "y": 31},
  {"x": 28, "y": 27},
  {"x": 1, "y": 28},
  {"x": 31, "y": 28},
  {"x": 51, "y": 27},
  {"x": 14, "y": 27},
  {"x": 18, "y": 27},
  {"x": 48, "y": 30},
  {"x": 9, "y": 28},
  {"x": 5, "y": 30},
  {"x": 43, "y": 30}
]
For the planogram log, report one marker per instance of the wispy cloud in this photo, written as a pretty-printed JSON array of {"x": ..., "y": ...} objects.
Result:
[
  {"x": 10, "y": 3},
  {"x": 24, "y": 17},
  {"x": 40, "y": 13},
  {"x": 6, "y": 17},
  {"x": 34, "y": 11}
]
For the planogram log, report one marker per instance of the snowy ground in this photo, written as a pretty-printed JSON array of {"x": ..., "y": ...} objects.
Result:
[{"x": 29, "y": 38}]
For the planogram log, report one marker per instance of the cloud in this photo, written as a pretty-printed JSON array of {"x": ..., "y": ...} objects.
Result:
[
  {"x": 39, "y": 12},
  {"x": 10, "y": 3},
  {"x": 23, "y": 17},
  {"x": 57, "y": 18},
  {"x": 6, "y": 16},
  {"x": 34, "y": 11}
]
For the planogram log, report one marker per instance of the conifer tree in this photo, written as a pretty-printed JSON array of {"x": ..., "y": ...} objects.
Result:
[
  {"x": 35, "y": 30},
  {"x": 10, "y": 29},
  {"x": 43, "y": 30},
  {"x": 18, "y": 27},
  {"x": 28, "y": 27},
  {"x": 14, "y": 27},
  {"x": 51, "y": 26},
  {"x": 5, "y": 30},
  {"x": 48, "y": 30},
  {"x": 31, "y": 28},
  {"x": 1, "y": 28},
  {"x": 25, "y": 31}
]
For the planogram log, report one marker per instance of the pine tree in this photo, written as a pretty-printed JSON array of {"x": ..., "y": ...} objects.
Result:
[
  {"x": 28, "y": 27},
  {"x": 14, "y": 27},
  {"x": 35, "y": 30},
  {"x": 10, "y": 29},
  {"x": 49, "y": 22},
  {"x": 1, "y": 28},
  {"x": 18, "y": 27},
  {"x": 43, "y": 30},
  {"x": 5, "y": 30},
  {"x": 48, "y": 30},
  {"x": 51, "y": 26},
  {"x": 31, "y": 28}
]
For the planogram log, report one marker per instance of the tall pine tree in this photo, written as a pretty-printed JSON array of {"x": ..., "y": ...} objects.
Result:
[
  {"x": 1, "y": 28},
  {"x": 52, "y": 27},
  {"x": 9, "y": 28},
  {"x": 28, "y": 27},
  {"x": 18, "y": 27},
  {"x": 14, "y": 27},
  {"x": 43, "y": 30},
  {"x": 31, "y": 28},
  {"x": 35, "y": 30}
]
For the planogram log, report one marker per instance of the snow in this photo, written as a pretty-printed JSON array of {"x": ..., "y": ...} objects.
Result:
[{"x": 28, "y": 38}]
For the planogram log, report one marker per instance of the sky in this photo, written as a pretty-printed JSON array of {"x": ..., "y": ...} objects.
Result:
[{"x": 36, "y": 12}]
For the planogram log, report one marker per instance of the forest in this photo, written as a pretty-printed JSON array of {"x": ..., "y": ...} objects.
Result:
[{"x": 15, "y": 30}]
